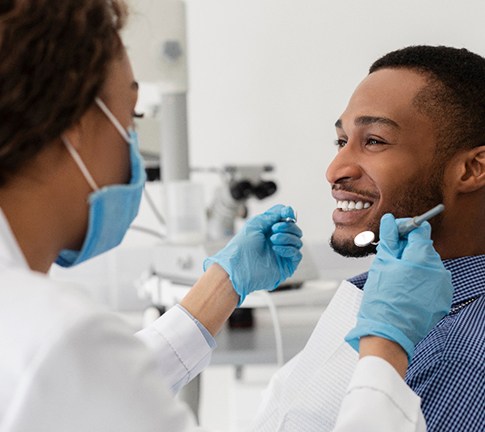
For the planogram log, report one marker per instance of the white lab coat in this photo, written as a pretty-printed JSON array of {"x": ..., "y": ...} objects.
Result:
[{"x": 68, "y": 365}]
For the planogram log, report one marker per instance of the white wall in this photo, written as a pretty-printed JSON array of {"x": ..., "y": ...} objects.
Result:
[{"x": 268, "y": 79}]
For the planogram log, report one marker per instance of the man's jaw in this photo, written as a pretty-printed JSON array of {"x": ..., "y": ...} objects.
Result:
[{"x": 347, "y": 248}]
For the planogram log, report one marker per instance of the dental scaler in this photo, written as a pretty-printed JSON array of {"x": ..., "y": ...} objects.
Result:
[{"x": 366, "y": 238}]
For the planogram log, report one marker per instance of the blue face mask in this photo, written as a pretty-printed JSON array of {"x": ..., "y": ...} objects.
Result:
[{"x": 111, "y": 208}]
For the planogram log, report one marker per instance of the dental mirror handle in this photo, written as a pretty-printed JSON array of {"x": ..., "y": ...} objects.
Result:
[
  {"x": 367, "y": 237},
  {"x": 416, "y": 221}
]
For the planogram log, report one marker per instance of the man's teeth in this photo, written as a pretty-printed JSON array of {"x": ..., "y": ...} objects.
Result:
[{"x": 352, "y": 205}]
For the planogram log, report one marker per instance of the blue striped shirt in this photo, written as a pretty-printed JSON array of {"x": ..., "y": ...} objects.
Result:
[{"x": 448, "y": 368}]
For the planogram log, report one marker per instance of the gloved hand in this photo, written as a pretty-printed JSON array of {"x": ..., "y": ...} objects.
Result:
[
  {"x": 264, "y": 253},
  {"x": 407, "y": 291}
]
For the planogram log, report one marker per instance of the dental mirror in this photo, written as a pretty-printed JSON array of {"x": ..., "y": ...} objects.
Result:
[{"x": 364, "y": 239}]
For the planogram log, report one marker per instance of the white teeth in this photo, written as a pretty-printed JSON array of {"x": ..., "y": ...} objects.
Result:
[{"x": 352, "y": 205}]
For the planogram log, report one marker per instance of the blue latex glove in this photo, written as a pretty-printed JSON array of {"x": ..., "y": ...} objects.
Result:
[
  {"x": 407, "y": 291},
  {"x": 264, "y": 253}
]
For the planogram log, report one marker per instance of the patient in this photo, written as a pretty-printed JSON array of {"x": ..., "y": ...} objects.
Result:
[{"x": 412, "y": 136}]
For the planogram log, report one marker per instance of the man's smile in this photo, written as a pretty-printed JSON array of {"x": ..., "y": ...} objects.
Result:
[{"x": 353, "y": 205}]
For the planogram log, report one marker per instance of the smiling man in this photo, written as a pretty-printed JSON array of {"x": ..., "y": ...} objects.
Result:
[
  {"x": 412, "y": 136},
  {"x": 387, "y": 157}
]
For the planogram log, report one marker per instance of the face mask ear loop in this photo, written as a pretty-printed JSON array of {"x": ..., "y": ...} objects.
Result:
[
  {"x": 113, "y": 119},
  {"x": 80, "y": 164}
]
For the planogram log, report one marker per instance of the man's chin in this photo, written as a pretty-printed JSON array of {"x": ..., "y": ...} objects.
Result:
[{"x": 347, "y": 248}]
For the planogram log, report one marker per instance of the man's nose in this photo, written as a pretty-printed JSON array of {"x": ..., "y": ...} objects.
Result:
[{"x": 344, "y": 167}]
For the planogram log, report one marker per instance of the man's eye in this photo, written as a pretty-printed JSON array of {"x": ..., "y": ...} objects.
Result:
[
  {"x": 340, "y": 143},
  {"x": 374, "y": 141},
  {"x": 138, "y": 114}
]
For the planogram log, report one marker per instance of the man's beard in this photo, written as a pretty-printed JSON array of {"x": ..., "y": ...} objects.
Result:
[
  {"x": 413, "y": 199},
  {"x": 348, "y": 248}
]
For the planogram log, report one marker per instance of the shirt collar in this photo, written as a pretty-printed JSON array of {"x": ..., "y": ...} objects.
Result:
[
  {"x": 10, "y": 252},
  {"x": 467, "y": 276}
]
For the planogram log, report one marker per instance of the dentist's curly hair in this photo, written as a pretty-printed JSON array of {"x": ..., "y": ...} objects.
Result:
[
  {"x": 454, "y": 97},
  {"x": 54, "y": 56}
]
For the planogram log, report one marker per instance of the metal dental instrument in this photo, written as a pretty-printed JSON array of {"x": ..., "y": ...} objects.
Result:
[
  {"x": 418, "y": 220},
  {"x": 290, "y": 219},
  {"x": 366, "y": 238}
]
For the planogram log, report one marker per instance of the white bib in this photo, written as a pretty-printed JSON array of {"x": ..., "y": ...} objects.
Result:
[{"x": 306, "y": 393}]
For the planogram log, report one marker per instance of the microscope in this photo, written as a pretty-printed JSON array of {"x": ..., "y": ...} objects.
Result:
[{"x": 239, "y": 184}]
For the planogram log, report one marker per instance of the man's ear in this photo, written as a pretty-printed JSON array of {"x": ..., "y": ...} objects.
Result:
[{"x": 471, "y": 170}]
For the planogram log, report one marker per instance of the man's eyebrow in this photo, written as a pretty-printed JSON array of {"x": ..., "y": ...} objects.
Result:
[
  {"x": 135, "y": 85},
  {"x": 367, "y": 120}
]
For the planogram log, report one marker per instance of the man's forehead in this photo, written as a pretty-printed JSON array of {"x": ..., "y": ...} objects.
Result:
[
  {"x": 402, "y": 77},
  {"x": 383, "y": 97}
]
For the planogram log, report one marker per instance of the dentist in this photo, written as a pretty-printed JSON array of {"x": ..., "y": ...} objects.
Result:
[{"x": 71, "y": 179}]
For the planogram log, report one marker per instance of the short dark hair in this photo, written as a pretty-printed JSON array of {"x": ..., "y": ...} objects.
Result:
[
  {"x": 54, "y": 56},
  {"x": 454, "y": 97}
]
